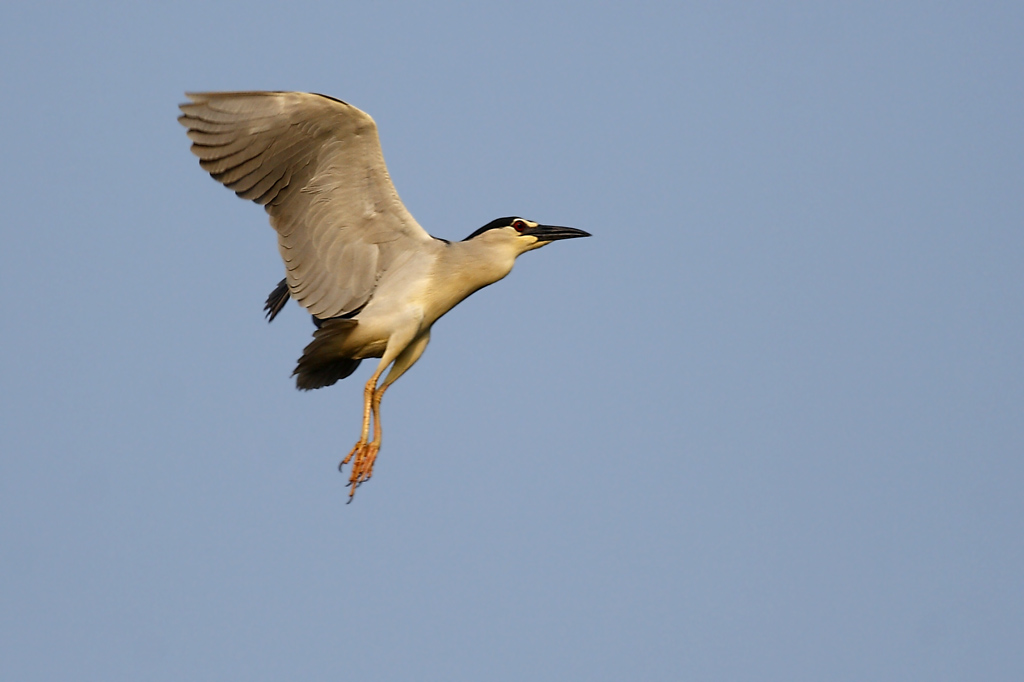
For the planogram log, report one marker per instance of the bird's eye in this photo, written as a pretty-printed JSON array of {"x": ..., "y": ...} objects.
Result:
[{"x": 519, "y": 225}]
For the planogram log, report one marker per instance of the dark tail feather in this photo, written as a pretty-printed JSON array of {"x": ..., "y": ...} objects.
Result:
[
  {"x": 278, "y": 297},
  {"x": 320, "y": 364}
]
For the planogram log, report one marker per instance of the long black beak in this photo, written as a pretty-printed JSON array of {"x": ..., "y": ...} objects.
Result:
[{"x": 551, "y": 233}]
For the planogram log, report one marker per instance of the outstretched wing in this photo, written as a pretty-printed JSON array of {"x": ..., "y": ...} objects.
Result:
[{"x": 316, "y": 165}]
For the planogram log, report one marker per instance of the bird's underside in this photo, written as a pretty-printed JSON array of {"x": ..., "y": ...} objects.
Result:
[{"x": 355, "y": 259}]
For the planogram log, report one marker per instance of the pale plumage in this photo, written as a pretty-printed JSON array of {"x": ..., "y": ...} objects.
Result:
[{"x": 373, "y": 279}]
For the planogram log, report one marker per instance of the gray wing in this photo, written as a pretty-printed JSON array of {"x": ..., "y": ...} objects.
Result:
[{"x": 316, "y": 165}]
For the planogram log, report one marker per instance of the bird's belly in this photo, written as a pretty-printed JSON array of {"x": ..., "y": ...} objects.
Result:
[
  {"x": 365, "y": 341},
  {"x": 378, "y": 327}
]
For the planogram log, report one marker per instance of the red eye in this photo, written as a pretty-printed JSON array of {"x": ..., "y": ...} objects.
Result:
[{"x": 519, "y": 225}]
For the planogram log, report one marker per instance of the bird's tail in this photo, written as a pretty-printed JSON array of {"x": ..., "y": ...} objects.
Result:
[{"x": 320, "y": 364}]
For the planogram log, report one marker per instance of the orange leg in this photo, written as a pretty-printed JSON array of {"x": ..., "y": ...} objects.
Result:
[
  {"x": 367, "y": 397},
  {"x": 364, "y": 454},
  {"x": 373, "y": 447}
]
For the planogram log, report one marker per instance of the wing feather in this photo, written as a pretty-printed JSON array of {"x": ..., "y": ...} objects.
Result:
[
  {"x": 223, "y": 158},
  {"x": 316, "y": 165}
]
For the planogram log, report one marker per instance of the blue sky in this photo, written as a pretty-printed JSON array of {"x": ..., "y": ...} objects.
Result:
[{"x": 765, "y": 425}]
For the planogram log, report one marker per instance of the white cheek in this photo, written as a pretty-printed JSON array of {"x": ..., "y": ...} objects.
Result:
[{"x": 533, "y": 244}]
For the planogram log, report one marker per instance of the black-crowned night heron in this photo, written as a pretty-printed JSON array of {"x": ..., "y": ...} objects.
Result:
[{"x": 373, "y": 279}]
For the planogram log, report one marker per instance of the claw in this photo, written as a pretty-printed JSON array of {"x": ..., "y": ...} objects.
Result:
[{"x": 365, "y": 455}]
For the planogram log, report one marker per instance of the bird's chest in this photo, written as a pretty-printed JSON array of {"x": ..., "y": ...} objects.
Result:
[{"x": 453, "y": 281}]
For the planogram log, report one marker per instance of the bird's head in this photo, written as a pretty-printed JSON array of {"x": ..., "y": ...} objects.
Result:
[{"x": 522, "y": 235}]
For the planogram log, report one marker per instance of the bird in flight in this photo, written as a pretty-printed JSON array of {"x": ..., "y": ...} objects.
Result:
[{"x": 374, "y": 281}]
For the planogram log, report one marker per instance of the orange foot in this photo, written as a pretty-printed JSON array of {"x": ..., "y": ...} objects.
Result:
[{"x": 365, "y": 455}]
